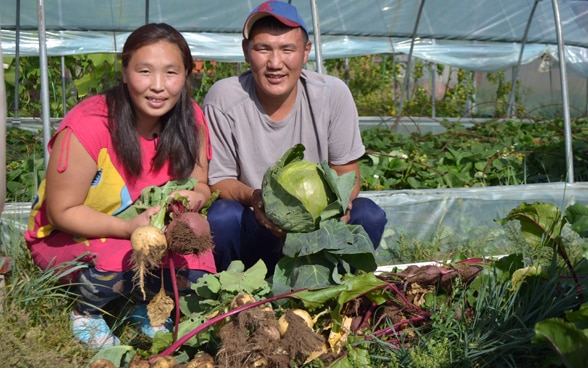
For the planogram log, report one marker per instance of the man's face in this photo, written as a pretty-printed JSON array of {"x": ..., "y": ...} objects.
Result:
[{"x": 276, "y": 57}]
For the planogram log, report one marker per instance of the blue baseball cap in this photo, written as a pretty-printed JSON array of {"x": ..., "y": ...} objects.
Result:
[{"x": 284, "y": 12}]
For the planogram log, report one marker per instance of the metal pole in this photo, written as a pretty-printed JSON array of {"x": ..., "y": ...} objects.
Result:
[
  {"x": 2, "y": 138},
  {"x": 63, "y": 86},
  {"x": 515, "y": 72},
  {"x": 433, "y": 74},
  {"x": 564, "y": 93},
  {"x": 44, "y": 80},
  {"x": 17, "y": 60},
  {"x": 408, "y": 62},
  {"x": 317, "y": 38}
]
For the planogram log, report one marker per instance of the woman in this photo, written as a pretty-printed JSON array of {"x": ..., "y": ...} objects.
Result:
[{"x": 144, "y": 132}]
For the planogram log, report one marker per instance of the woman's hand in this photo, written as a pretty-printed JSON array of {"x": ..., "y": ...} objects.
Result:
[
  {"x": 143, "y": 219},
  {"x": 196, "y": 199},
  {"x": 259, "y": 210}
]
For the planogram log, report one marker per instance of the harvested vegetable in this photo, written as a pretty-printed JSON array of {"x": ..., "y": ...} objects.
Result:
[
  {"x": 159, "y": 308},
  {"x": 308, "y": 200},
  {"x": 241, "y": 300},
  {"x": 149, "y": 247},
  {"x": 164, "y": 362},
  {"x": 101, "y": 363},
  {"x": 202, "y": 360},
  {"x": 138, "y": 362},
  {"x": 303, "y": 180},
  {"x": 283, "y": 321},
  {"x": 188, "y": 232},
  {"x": 298, "y": 194}
]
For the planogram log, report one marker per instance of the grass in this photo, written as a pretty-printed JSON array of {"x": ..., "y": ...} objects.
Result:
[{"x": 34, "y": 323}]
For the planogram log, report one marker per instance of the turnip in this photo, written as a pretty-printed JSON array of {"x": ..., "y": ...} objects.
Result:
[{"x": 149, "y": 247}]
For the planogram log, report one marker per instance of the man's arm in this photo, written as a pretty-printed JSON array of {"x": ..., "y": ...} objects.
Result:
[{"x": 234, "y": 190}]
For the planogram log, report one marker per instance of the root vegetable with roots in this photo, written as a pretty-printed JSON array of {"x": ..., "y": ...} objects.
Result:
[
  {"x": 149, "y": 246},
  {"x": 188, "y": 231}
]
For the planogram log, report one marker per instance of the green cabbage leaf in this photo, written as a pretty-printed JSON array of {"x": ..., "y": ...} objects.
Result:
[{"x": 298, "y": 194}]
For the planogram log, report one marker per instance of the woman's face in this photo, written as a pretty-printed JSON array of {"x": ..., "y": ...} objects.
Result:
[{"x": 155, "y": 77}]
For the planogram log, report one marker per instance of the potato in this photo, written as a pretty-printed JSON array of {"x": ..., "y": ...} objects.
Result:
[
  {"x": 164, "y": 362},
  {"x": 283, "y": 322},
  {"x": 101, "y": 363},
  {"x": 241, "y": 300}
]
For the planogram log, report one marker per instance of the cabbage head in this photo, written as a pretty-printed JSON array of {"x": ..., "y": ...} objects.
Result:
[
  {"x": 303, "y": 180},
  {"x": 299, "y": 194}
]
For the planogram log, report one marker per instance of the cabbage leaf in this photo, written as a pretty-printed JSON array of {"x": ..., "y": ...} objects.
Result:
[{"x": 319, "y": 248}]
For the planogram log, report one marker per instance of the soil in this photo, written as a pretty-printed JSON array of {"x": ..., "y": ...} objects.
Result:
[
  {"x": 252, "y": 339},
  {"x": 182, "y": 240}
]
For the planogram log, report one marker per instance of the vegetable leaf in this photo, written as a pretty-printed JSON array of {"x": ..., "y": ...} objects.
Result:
[{"x": 156, "y": 196}]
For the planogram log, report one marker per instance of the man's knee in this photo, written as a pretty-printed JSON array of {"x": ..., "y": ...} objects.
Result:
[{"x": 371, "y": 217}]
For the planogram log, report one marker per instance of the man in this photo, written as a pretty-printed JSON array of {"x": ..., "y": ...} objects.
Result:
[{"x": 256, "y": 116}]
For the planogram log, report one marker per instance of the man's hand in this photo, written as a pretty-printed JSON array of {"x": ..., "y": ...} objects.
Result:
[
  {"x": 345, "y": 218},
  {"x": 259, "y": 210}
]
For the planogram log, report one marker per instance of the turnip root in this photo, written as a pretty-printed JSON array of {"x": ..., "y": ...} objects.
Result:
[
  {"x": 188, "y": 232},
  {"x": 159, "y": 308},
  {"x": 149, "y": 247}
]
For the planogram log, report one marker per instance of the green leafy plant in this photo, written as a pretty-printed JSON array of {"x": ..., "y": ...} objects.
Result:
[{"x": 318, "y": 247}]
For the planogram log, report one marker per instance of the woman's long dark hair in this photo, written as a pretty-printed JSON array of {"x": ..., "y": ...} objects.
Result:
[{"x": 178, "y": 141}]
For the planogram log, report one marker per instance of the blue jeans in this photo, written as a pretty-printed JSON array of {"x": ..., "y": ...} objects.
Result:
[{"x": 238, "y": 236}]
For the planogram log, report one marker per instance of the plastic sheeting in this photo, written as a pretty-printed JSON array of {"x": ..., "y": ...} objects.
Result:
[
  {"x": 451, "y": 218},
  {"x": 483, "y": 35},
  {"x": 443, "y": 218}
]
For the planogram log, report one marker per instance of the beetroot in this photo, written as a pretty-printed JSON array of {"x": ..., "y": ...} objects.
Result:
[{"x": 188, "y": 232}]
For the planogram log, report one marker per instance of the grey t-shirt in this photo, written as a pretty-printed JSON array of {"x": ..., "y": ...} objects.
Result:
[{"x": 246, "y": 142}]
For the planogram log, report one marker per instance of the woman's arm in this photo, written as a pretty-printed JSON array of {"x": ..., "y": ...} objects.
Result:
[{"x": 66, "y": 192}]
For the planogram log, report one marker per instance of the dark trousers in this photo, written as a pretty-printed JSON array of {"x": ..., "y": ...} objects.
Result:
[
  {"x": 238, "y": 236},
  {"x": 96, "y": 288}
]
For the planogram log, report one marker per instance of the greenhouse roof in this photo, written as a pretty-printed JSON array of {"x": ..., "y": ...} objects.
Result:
[{"x": 474, "y": 34}]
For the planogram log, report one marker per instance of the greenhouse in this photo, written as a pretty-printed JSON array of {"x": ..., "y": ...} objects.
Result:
[{"x": 525, "y": 39}]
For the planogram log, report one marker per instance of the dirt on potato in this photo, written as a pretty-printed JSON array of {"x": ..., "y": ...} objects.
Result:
[{"x": 252, "y": 339}]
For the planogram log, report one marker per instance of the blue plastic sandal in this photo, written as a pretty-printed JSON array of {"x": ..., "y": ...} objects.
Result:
[
  {"x": 93, "y": 331},
  {"x": 140, "y": 319}
]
